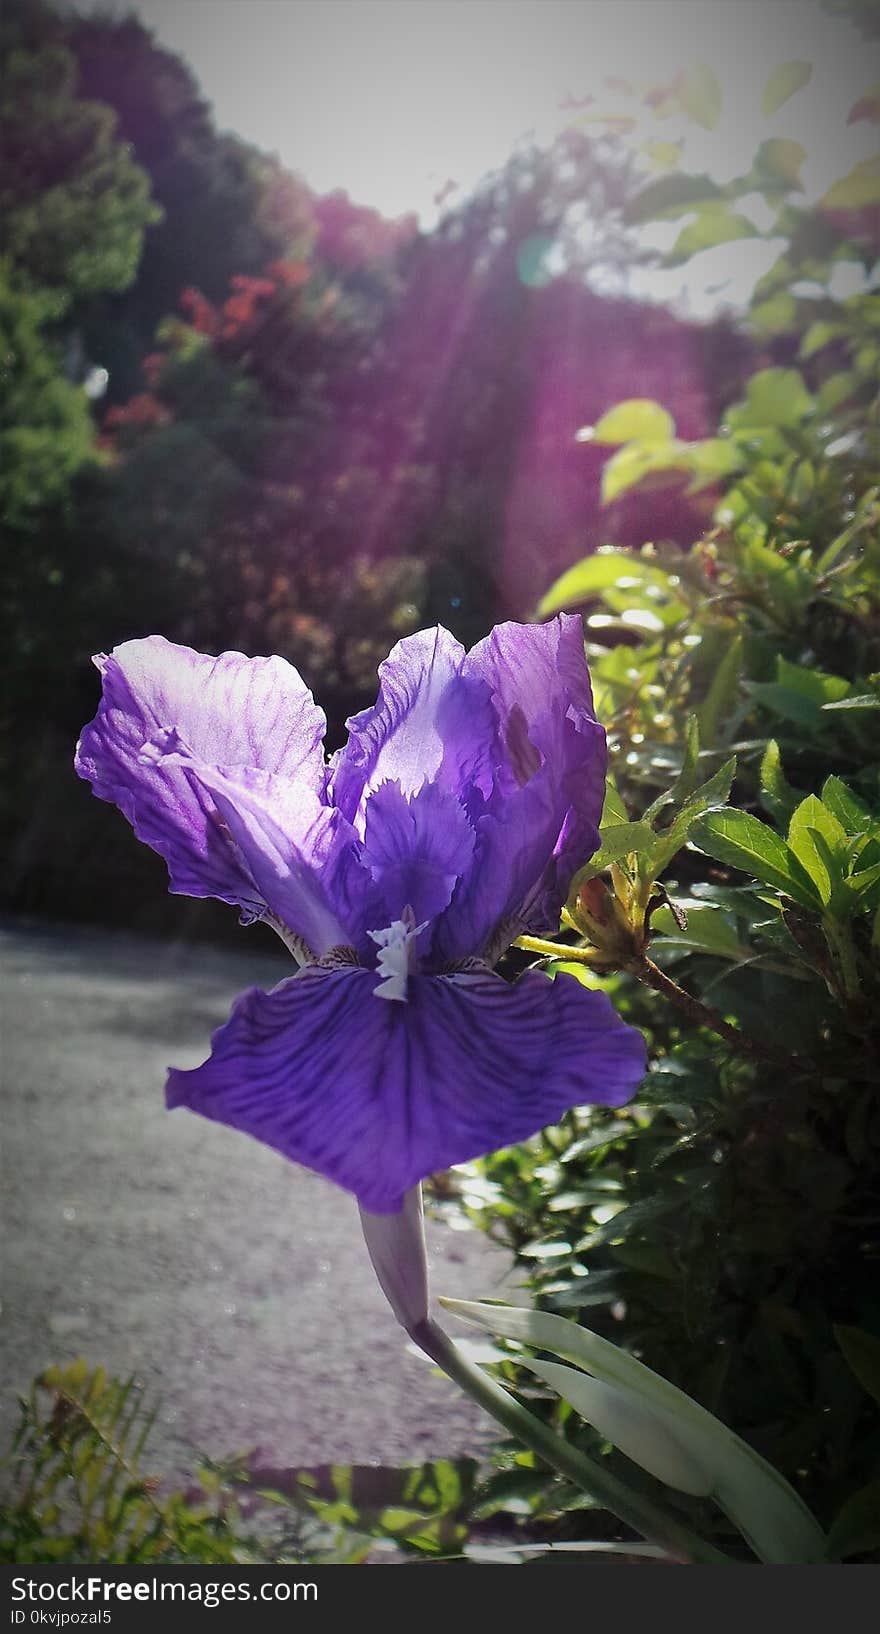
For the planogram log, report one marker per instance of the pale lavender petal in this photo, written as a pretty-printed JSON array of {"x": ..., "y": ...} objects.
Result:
[
  {"x": 229, "y": 711},
  {"x": 429, "y": 724},
  {"x": 376, "y": 1096}
]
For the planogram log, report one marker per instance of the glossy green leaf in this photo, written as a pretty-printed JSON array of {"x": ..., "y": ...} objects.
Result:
[
  {"x": 853, "y": 816},
  {"x": 782, "y": 84},
  {"x": 742, "y": 841},
  {"x": 708, "y": 931},
  {"x": 711, "y": 794},
  {"x": 596, "y": 573}
]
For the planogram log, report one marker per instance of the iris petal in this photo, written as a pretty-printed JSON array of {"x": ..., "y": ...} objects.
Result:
[
  {"x": 376, "y": 1096},
  {"x": 229, "y": 711},
  {"x": 416, "y": 851},
  {"x": 301, "y": 855},
  {"x": 541, "y": 819},
  {"x": 430, "y": 723}
]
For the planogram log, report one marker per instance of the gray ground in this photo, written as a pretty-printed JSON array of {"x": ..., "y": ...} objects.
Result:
[{"x": 233, "y": 1284}]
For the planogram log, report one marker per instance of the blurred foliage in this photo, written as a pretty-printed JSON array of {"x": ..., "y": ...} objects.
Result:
[
  {"x": 724, "y": 1227},
  {"x": 77, "y": 1494}
]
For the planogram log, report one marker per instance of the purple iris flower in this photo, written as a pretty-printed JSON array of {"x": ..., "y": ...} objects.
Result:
[{"x": 397, "y": 873}]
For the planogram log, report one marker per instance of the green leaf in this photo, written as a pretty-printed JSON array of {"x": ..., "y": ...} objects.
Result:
[
  {"x": 718, "y": 702},
  {"x": 708, "y": 931},
  {"x": 622, "y": 1418},
  {"x": 820, "y": 334},
  {"x": 671, "y": 196},
  {"x": 687, "y": 777},
  {"x": 812, "y": 823},
  {"x": 864, "y": 700},
  {"x": 819, "y": 685},
  {"x": 710, "y": 228},
  {"x": 862, "y": 1352},
  {"x": 597, "y": 573},
  {"x": 855, "y": 191},
  {"x": 776, "y": 316},
  {"x": 856, "y": 1529},
  {"x": 853, "y": 816},
  {"x": 811, "y": 813},
  {"x": 837, "y": 389},
  {"x": 614, "y": 810},
  {"x": 635, "y": 419},
  {"x": 774, "y": 397},
  {"x": 771, "y": 1516},
  {"x": 636, "y": 461},
  {"x": 740, "y": 840},
  {"x": 714, "y": 792},
  {"x": 780, "y": 160},
  {"x": 699, "y": 92},
  {"x": 783, "y": 82},
  {"x": 777, "y": 795},
  {"x": 618, "y": 840}
]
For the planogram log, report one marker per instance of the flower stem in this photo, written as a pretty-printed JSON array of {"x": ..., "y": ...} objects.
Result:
[{"x": 632, "y": 1508}]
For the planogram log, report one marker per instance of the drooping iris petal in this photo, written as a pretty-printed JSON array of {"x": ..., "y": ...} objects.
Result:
[
  {"x": 416, "y": 851},
  {"x": 229, "y": 711},
  {"x": 430, "y": 724},
  {"x": 542, "y": 817},
  {"x": 301, "y": 855},
  {"x": 375, "y": 1096}
]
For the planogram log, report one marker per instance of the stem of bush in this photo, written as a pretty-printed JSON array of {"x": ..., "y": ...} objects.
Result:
[
  {"x": 632, "y": 1508},
  {"x": 644, "y": 970},
  {"x": 705, "y": 1015}
]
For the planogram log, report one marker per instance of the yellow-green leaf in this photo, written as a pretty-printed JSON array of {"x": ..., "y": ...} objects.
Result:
[
  {"x": 860, "y": 187},
  {"x": 780, "y": 158},
  {"x": 783, "y": 82},
  {"x": 699, "y": 92},
  {"x": 636, "y": 419},
  {"x": 706, "y": 231}
]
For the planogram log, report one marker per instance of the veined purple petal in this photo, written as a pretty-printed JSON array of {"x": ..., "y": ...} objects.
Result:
[
  {"x": 301, "y": 855},
  {"x": 541, "y": 819},
  {"x": 416, "y": 851},
  {"x": 430, "y": 724},
  {"x": 375, "y": 1096},
  {"x": 229, "y": 711}
]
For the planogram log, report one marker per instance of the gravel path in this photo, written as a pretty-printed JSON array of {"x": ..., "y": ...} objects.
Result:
[{"x": 235, "y": 1285}]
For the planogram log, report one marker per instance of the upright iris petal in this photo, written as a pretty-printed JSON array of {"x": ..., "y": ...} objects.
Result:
[{"x": 452, "y": 820}]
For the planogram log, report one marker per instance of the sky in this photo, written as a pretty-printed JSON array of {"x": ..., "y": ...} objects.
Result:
[{"x": 392, "y": 99}]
